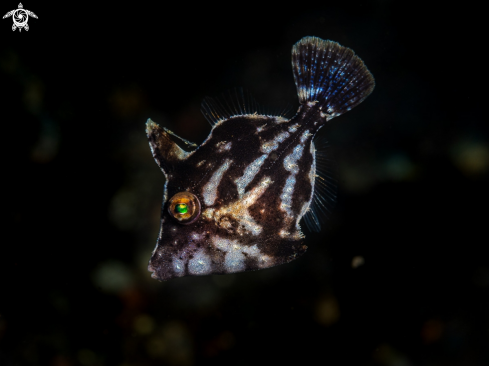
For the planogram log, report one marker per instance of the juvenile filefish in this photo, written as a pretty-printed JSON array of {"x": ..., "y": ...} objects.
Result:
[{"x": 235, "y": 202}]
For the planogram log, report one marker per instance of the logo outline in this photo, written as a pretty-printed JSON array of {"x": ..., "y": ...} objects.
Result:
[{"x": 20, "y": 16}]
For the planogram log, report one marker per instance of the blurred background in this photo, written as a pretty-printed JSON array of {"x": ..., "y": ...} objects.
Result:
[{"x": 399, "y": 276}]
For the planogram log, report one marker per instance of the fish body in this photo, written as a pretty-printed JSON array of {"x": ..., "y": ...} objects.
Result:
[{"x": 235, "y": 203}]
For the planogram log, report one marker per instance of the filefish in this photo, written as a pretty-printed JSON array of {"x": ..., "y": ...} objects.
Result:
[{"x": 235, "y": 202}]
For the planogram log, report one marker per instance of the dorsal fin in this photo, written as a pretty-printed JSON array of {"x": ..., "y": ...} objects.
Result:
[
  {"x": 188, "y": 144},
  {"x": 325, "y": 187},
  {"x": 235, "y": 102},
  {"x": 165, "y": 151}
]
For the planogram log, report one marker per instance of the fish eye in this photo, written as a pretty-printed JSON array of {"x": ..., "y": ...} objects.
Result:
[{"x": 184, "y": 207}]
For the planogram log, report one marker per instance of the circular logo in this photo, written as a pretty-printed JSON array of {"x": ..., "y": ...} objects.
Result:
[{"x": 20, "y": 17}]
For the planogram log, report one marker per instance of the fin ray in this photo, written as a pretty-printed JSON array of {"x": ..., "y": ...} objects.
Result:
[
  {"x": 166, "y": 152},
  {"x": 331, "y": 74},
  {"x": 325, "y": 187},
  {"x": 236, "y": 102}
]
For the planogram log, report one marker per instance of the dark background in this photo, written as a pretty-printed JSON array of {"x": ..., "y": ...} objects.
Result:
[{"x": 82, "y": 194}]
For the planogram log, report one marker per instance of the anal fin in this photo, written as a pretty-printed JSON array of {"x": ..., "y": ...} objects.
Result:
[{"x": 325, "y": 188}]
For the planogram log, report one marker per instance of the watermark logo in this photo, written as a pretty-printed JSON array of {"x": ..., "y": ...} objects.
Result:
[{"x": 20, "y": 17}]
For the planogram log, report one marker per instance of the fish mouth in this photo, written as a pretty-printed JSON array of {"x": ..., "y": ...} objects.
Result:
[{"x": 152, "y": 270}]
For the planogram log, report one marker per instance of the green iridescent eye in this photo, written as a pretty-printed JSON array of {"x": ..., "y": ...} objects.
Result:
[
  {"x": 184, "y": 207},
  {"x": 181, "y": 208}
]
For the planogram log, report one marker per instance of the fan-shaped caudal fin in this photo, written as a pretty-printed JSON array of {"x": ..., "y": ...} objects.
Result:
[{"x": 332, "y": 75}]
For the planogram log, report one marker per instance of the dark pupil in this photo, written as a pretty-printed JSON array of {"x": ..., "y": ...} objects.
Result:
[{"x": 181, "y": 208}]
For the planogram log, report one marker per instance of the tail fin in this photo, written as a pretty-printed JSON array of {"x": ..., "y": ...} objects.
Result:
[{"x": 331, "y": 74}]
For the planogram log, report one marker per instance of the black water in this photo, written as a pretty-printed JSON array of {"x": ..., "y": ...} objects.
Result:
[{"x": 81, "y": 192}]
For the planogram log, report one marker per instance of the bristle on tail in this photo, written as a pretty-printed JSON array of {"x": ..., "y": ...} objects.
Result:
[{"x": 331, "y": 74}]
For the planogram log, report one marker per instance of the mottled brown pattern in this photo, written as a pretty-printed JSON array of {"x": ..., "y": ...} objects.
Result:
[{"x": 259, "y": 228}]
